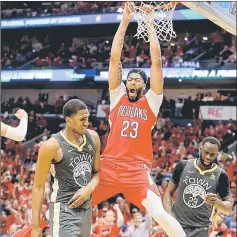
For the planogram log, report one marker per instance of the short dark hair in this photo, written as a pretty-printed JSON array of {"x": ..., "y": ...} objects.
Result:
[
  {"x": 212, "y": 140},
  {"x": 72, "y": 107},
  {"x": 139, "y": 71}
]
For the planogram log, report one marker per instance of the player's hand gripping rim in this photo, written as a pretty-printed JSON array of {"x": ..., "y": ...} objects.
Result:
[{"x": 128, "y": 11}]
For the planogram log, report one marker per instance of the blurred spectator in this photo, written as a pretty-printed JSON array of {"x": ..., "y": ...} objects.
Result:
[
  {"x": 108, "y": 227},
  {"x": 208, "y": 97},
  {"x": 140, "y": 228}
]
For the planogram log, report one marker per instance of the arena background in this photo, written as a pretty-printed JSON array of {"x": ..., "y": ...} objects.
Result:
[{"x": 54, "y": 51}]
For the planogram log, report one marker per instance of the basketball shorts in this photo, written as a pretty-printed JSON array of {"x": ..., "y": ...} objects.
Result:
[
  {"x": 66, "y": 222},
  {"x": 133, "y": 183},
  {"x": 195, "y": 231}
]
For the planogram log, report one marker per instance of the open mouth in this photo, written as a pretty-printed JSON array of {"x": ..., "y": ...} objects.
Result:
[
  {"x": 207, "y": 162},
  {"x": 132, "y": 92}
]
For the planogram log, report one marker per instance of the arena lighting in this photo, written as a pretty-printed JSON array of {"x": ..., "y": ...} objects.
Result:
[
  {"x": 120, "y": 10},
  {"x": 205, "y": 38}
]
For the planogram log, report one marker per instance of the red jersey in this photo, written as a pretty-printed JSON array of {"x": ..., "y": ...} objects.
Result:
[
  {"x": 107, "y": 230},
  {"x": 131, "y": 124}
]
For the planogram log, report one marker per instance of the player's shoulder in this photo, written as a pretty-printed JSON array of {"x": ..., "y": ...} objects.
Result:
[
  {"x": 51, "y": 144},
  {"x": 150, "y": 94},
  {"x": 154, "y": 101},
  {"x": 120, "y": 88},
  {"x": 94, "y": 135},
  {"x": 183, "y": 163},
  {"x": 222, "y": 172}
]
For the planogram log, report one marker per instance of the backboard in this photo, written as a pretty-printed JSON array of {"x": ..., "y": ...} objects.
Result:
[{"x": 220, "y": 13}]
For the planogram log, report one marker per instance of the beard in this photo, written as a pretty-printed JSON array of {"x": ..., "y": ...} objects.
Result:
[
  {"x": 203, "y": 163},
  {"x": 139, "y": 93}
]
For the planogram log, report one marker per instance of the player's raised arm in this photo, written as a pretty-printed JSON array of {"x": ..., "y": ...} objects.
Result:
[
  {"x": 156, "y": 76},
  {"x": 16, "y": 133},
  {"x": 46, "y": 154},
  {"x": 120, "y": 217},
  {"x": 115, "y": 66}
]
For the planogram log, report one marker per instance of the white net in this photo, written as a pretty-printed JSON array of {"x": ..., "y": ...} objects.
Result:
[{"x": 160, "y": 16}]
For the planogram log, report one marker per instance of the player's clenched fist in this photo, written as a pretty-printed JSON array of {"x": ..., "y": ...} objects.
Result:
[
  {"x": 116, "y": 207},
  {"x": 21, "y": 113}
]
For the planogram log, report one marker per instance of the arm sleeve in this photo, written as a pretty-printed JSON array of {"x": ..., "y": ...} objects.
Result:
[
  {"x": 18, "y": 133},
  {"x": 223, "y": 187},
  {"x": 154, "y": 101},
  {"x": 178, "y": 171},
  {"x": 116, "y": 94}
]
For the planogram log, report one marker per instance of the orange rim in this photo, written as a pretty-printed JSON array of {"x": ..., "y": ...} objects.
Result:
[{"x": 167, "y": 6}]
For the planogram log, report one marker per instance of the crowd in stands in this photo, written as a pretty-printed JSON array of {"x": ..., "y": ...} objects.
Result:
[
  {"x": 189, "y": 108},
  {"x": 183, "y": 106},
  {"x": 40, "y": 9},
  {"x": 171, "y": 143},
  {"x": 51, "y": 52}
]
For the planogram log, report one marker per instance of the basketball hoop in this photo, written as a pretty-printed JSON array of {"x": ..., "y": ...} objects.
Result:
[{"x": 160, "y": 16}]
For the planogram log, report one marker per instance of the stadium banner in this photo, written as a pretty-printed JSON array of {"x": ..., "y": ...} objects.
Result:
[
  {"x": 180, "y": 73},
  {"x": 47, "y": 75},
  {"x": 97, "y": 75},
  {"x": 218, "y": 112},
  {"x": 86, "y": 19}
]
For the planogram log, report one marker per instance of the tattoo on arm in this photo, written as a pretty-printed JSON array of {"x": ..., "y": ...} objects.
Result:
[
  {"x": 121, "y": 37},
  {"x": 119, "y": 71},
  {"x": 117, "y": 45}
]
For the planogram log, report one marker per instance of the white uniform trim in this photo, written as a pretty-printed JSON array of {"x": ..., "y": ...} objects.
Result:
[
  {"x": 116, "y": 95},
  {"x": 55, "y": 186},
  {"x": 154, "y": 101},
  {"x": 56, "y": 213}
]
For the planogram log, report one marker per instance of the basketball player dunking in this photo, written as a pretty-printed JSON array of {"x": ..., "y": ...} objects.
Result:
[
  {"x": 201, "y": 185},
  {"x": 74, "y": 157},
  {"x": 126, "y": 161},
  {"x": 16, "y": 133}
]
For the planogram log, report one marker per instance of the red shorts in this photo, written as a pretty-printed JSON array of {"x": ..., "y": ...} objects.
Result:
[
  {"x": 25, "y": 232},
  {"x": 133, "y": 184}
]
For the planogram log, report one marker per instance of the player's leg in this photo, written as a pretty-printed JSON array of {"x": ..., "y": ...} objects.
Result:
[
  {"x": 144, "y": 193},
  {"x": 86, "y": 224},
  {"x": 63, "y": 221},
  {"x": 153, "y": 205},
  {"x": 108, "y": 185}
]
